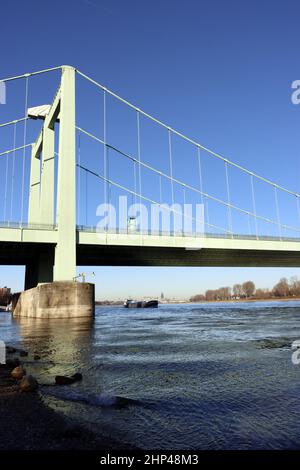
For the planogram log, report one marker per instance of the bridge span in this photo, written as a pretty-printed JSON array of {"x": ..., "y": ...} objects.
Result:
[
  {"x": 77, "y": 146},
  {"x": 35, "y": 248}
]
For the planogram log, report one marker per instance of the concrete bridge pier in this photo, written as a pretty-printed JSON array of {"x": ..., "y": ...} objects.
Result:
[
  {"x": 64, "y": 299},
  {"x": 44, "y": 297}
]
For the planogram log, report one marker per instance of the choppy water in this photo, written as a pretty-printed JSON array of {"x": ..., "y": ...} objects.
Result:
[{"x": 203, "y": 376}]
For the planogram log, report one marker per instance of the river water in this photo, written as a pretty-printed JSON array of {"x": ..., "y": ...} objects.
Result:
[{"x": 202, "y": 376}]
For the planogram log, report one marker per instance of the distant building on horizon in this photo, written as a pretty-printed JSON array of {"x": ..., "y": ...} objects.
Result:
[{"x": 5, "y": 295}]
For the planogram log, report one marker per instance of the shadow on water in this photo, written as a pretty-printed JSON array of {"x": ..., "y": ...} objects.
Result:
[{"x": 63, "y": 345}]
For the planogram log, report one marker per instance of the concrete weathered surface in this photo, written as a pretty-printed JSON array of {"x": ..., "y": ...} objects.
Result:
[{"x": 64, "y": 299}]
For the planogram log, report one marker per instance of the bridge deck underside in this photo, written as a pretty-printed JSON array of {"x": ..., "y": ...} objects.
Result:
[{"x": 23, "y": 253}]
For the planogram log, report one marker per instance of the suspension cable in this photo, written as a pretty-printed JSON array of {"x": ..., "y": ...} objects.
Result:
[
  {"x": 249, "y": 225},
  {"x": 13, "y": 172},
  {"x": 170, "y": 131},
  {"x": 171, "y": 173},
  {"x": 184, "y": 210},
  {"x": 200, "y": 173},
  {"x": 298, "y": 207},
  {"x": 29, "y": 74},
  {"x": 171, "y": 165},
  {"x": 254, "y": 206},
  {"x": 229, "y": 214},
  {"x": 24, "y": 149},
  {"x": 201, "y": 185},
  {"x": 5, "y": 189},
  {"x": 108, "y": 189},
  {"x": 124, "y": 188},
  {"x": 134, "y": 182},
  {"x": 160, "y": 189},
  {"x": 277, "y": 212},
  {"x": 94, "y": 82},
  {"x": 138, "y": 123},
  {"x": 205, "y": 195},
  {"x": 105, "y": 146},
  {"x": 179, "y": 134},
  {"x": 15, "y": 149},
  {"x": 4, "y": 124},
  {"x": 86, "y": 199}
]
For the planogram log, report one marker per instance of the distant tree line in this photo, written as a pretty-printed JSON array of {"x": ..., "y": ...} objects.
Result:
[{"x": 247, "y": 290}]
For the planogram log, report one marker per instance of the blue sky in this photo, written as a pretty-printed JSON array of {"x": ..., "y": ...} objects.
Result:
[{"x": 220, "y": 72}]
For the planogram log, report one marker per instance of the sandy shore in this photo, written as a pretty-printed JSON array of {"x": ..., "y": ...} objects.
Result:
[{"x": 28, "y": 424}]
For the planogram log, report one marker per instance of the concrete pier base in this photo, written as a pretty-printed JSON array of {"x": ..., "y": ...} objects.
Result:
[{"x": 57, "y": 300}]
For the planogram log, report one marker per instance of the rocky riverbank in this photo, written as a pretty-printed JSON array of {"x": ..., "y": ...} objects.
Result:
[{"x": 28, "y": 424}]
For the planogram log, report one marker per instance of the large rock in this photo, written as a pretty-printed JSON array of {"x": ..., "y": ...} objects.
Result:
[
  {"x": 28, "y": 384},
  {"x": 18, "y": 372},
  {"x": 65, "y": 380},
  {"x": 12, "y": 363},
  {"x": 23, "y": 353}
]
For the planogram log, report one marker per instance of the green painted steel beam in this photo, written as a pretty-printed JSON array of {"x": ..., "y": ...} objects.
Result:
[
  {"x": 65, "y": 251},
  {"x": 34, "y": 189},
  {"x": 46, "y": 215}
]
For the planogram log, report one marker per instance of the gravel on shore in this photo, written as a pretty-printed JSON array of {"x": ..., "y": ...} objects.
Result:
[{"x": 26, "y": 423}]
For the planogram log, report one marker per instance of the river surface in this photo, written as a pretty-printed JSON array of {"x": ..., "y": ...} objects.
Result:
[{"x": 210, "y": 376}]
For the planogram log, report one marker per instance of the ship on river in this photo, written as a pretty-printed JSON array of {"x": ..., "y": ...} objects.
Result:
[{"x": 140, "y": 303}]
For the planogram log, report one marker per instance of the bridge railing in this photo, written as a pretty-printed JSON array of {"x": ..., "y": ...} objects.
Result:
[{"x": 161, "y": 233}]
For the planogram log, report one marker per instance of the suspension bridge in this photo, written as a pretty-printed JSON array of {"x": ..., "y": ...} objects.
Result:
[{"x": 69, "y": 144}]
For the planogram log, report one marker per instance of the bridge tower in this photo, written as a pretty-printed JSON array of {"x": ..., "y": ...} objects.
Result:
[{"x": 59, "y": 265}]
